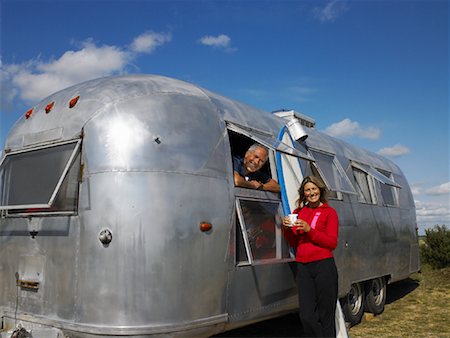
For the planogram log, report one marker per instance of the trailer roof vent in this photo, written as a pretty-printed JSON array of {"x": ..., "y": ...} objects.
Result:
[
  {"x": 291, "y": 114},
  {"x": 296, "y": 122}
]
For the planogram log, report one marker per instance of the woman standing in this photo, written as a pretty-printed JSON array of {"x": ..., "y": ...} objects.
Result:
[{"x": 315, "y": 235}]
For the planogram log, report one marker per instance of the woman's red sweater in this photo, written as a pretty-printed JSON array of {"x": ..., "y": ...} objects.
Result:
[{"x": 321, "y": 240}]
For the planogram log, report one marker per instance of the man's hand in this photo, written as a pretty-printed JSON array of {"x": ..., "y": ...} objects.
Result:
[{"x": 256, "y": 184}]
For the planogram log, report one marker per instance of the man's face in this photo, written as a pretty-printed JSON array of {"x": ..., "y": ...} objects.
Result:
[{"x": 254, "y": 160}]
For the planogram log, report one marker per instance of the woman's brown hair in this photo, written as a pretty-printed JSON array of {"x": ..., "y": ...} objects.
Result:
[{"x": 318, "y": 182}]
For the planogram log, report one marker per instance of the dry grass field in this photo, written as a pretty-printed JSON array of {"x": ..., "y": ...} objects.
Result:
[{"x": 418, "y": 307}]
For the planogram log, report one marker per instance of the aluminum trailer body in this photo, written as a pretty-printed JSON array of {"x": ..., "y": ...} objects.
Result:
[{"x": 119, "y": 215}]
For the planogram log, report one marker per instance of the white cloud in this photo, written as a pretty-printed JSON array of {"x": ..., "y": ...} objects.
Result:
[
  {"x": 416, "y": 189},
  {"x": 394, "y": 151},
  {"x": 443, "y": 189},
  {"x": 331, "y": 11},
  {"x": 221, "y": 41},
  {"x": 432, "y": 213},
  {"x": 349, "y": 128},
  {"x": 35, "y": 79},
  {"x": 149, "y": 41},
  {"x": 7, "y": 90}
]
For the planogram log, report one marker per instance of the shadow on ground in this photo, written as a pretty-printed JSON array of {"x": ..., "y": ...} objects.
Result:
[
  {"x": 398, "y": 290},
  {"x": 285, "y": 326},
  {"x": 289, "y": 325}
]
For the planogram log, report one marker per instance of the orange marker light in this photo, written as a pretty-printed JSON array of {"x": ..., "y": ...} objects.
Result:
[
  {"x": 205, "y": 226},
  {"x": 74, "y": 101},
  {"x": 28, "y": 113},
  {"x": 49, "y": 107}
]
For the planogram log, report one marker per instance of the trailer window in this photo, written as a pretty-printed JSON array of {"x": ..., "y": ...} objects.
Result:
[
  {"x": 259, "y": 239},
  {"x": 239, "y": 145},
  {"x": 383, "y": 178},
  {"x": 364, "y": 185},
  {"x": 332, "y": 172},
  {"x": 266, "y": 139},
  {"x": 41, "y": 180},
  {"x": 388, "y": 192}
]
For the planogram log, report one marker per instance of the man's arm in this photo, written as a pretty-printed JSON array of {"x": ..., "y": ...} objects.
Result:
[
  {"x": 240, "y": 181},
  {"x": 271, "y": 185}
]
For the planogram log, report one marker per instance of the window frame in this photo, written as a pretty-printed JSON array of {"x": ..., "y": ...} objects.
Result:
[
  {"x": 375, "y": 175},
  {"x": 4, "y": 208},
  {"x": 392, "y": 190},
  {"x": 370, "y": 186},
  {"x": 337, "y": 169},
  {"x": 266, "y": 139},
  {"x": 242, "y": 194}
]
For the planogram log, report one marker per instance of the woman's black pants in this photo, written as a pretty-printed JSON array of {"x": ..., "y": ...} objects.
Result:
[{"x": 317, "y": 284}]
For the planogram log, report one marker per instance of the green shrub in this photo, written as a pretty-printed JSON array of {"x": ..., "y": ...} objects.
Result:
[{"x": 436, "y": 248}]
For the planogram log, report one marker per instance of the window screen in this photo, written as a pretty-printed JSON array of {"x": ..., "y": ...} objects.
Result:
[
  {"x": 261, "y": 239},
  {"x": 332, "y": 172},
  {"x": 363, "y": 183},
  {"x": 387, "y": 191},
  {"x": 40, "y": 178}
]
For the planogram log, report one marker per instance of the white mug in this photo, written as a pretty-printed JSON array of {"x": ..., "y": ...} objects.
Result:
[{"x": 293, "y": 218}]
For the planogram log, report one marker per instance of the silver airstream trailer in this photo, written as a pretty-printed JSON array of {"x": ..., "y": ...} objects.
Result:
[{"x": 119, "y": 215}]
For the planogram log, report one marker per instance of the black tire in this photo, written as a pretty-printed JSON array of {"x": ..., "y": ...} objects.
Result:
[
  {"x": 375, "y": 296},
  {"x": 353, "y": 304}
]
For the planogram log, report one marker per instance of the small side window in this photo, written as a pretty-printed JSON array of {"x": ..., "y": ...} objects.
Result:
[
  {"x": 41, "y": 180},
  {"x": 388, "y": 188},
  {"x": 332, "y": 172},
  {"x": 328, "y": 169},
  {"x": 388, "y": 192},
  {"x": 364, "y": 185},
  {"x": 259, "y": 239}
]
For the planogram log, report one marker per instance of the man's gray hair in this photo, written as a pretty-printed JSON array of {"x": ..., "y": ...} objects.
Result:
[{"x": 255, "y": 146}]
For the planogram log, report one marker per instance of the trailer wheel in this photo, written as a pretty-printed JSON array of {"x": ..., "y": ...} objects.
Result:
[
  {"x": 375, "y": 296},
  {"x": 353, "y": 304}
]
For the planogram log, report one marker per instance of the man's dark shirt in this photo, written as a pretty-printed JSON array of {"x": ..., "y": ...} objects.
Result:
[{"x": 238, "y": 166}]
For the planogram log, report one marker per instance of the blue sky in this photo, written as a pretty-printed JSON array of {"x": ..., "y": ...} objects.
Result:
[{"x": 374, "y": 73}]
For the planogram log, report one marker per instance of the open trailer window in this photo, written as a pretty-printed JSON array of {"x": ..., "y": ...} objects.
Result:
[
  {"x": 364, "y": 185},
  {"x": 332, "y": 172},
  {"x": 389, "y": 193},
  {"x": 259, "y": 239},
  {"x": 309, "y": 168},
  {"x": 266, "y": 139},
  {"x": 41, "y": 180},
  {"x": 385, "y": 182},
  {"x": 241, "y": 138},
  {"x": 239, "y": 146}
]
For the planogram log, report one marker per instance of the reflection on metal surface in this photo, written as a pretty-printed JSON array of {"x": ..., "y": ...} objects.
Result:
[{"x": 123, "y": 135}]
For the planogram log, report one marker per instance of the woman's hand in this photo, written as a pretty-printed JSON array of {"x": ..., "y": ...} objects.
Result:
[
  {"x": 302, "y": 225},
  {"x": 299, "y": 225},
  {"x": 287, "y": 221}
]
